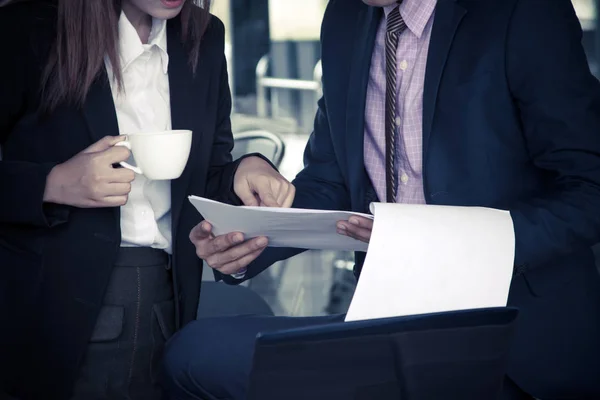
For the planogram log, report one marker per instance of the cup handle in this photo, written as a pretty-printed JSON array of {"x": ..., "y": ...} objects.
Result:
[{"x": 123, "y": 164}]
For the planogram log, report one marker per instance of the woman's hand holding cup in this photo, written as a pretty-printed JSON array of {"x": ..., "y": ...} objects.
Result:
[{"x": 89, "y": 180}]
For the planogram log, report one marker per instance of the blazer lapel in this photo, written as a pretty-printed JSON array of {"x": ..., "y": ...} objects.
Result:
[
  {"x": 448, "y": 15},
  {"x": 366, "y": 32},
  {"x": 99, "y": 110},
  {"x": 185, "y": 103},
  {"x": 101, "y": 116}
]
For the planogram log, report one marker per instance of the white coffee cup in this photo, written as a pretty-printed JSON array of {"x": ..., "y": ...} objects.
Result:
[{"x": 159, "y": 155}]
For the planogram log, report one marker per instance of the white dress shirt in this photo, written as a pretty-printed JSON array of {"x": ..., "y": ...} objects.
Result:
[{"x": 143, "y": 105}]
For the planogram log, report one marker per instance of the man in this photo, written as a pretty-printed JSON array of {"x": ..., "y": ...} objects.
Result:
[{"x": 482, "y": 103}]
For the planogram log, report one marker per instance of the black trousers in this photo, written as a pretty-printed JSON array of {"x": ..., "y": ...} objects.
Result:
[{"x": 138, "y": 316}]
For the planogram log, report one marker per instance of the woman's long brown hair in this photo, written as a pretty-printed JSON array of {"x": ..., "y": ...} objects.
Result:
[{"x": 86, "y": 32}]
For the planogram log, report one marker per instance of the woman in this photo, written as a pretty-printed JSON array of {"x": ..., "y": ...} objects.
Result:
[{"x": 97, "y": 268}]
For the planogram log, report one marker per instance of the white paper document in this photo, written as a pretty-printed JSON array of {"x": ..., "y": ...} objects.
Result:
[
  {"x": 426, "y": 259},
  {"x": 285, "y": 227}
]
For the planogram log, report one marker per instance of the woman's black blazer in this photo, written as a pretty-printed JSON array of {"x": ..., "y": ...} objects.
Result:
[{"x": 55, "y": 261}]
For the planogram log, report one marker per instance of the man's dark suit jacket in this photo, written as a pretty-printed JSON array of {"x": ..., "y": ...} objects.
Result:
[
  {"x": 55, "y": 261},
  {"x": 511, "y": 121}
]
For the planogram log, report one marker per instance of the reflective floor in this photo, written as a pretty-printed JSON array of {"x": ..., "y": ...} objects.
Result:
[
  {"x": 306, "y": 285},
  {"x": 309, "y": 284}
]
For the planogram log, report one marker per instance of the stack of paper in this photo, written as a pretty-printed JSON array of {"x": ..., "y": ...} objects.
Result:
[
  {"x": 421, "y": 259},
  {"x": 425, "y": 259},
  {"x": 285, "y": 227}
]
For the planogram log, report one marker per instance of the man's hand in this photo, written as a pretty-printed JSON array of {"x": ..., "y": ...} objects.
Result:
[
  {"x": 228, "y": 254},
  {"x": 356, "y": 227},
  {"x": 256, "y": 183}
]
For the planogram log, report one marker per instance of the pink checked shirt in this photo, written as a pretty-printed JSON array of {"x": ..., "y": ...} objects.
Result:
[{"x": 411, "y": 57}]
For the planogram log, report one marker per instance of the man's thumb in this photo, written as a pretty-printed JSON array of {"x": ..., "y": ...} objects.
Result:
[{"x": 201, "y": 231}]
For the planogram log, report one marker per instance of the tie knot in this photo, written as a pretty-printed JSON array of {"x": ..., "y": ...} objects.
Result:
[{"x": 395, "y": 23}]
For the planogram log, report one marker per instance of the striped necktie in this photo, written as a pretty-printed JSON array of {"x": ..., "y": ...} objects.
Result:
[{"x": 395, "y": 26}]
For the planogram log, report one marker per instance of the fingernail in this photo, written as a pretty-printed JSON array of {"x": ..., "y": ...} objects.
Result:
[
  {"x": 238, "y": 239},
  {"x": 341, "y": 227},
  {"x": 354, "y": 221},
  {"x": 205, "y": 226},
  {"x": 262, "y": 242}
]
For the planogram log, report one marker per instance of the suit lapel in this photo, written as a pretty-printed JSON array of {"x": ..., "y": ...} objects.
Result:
[
  {"x": 99, "y": 110},
  {"x": 185, "y": 103},
  {"x": 367, "y": 24},
  {"x": 448, "y": 15},
  {"x": 101, "y": 117}
]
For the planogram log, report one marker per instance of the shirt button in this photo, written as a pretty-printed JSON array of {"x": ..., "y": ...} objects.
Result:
[
  {"x": 398, "y": 121},
  {"x": 404, "y": 178},
  {"x": 403, "y": 65}
]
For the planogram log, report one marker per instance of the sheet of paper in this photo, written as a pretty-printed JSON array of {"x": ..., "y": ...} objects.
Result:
[
  {"x": 425, "y": 259},
  {"x": 285, "y": 227}
]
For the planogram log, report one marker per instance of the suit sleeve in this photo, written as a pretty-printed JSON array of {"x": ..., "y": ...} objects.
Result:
[
  {"x": 22, "y": 184},
  {"x": 559, "y": 103}
]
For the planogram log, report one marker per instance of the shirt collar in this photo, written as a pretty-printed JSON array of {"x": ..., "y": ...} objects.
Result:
[
  {"x": 131, "y": 47},
  {"x": 416, "y": 14}
]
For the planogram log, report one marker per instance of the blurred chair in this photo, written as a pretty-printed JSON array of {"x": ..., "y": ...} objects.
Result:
[
  {"x": 264, "y": 142},
  {"x": 260, "y": 141},
  {"x": 272, "y": 147},
  {"x": 269, "y": 283},
  {"x": 216, "y": 298}
]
